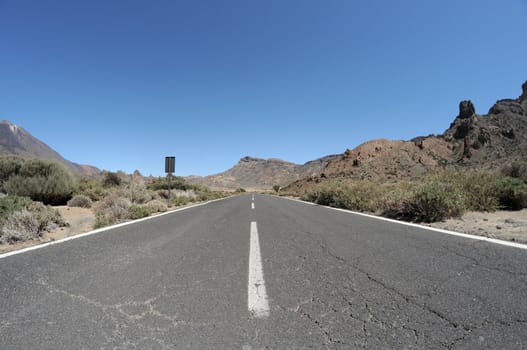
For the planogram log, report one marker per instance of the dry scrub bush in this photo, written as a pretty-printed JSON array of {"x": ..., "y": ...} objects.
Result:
[
  {"x": 138, "y": 211},
  {"x": 80, "y": 201},
  {"x": 516, "y": 169},
  {"x": 111, "y": 210},
  {"x": 360, "y": 195},
  {"x": 21, "y": 219},
  {"x": 47, "y": 217},
  {"x": 139, "y": 194},
  {"x": 156, "y": 206},
  {"x": 19, "y": 226}
]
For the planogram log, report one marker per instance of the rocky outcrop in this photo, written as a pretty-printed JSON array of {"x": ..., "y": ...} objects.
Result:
[
  {"x": 466, "y": 109},
  {"x": 523, "y": 96},
  {"x": 472, "y": 140}
]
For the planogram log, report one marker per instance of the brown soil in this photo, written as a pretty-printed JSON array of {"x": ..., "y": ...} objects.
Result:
[
  {"x": 505, "y": 225},
  {"x": 79, "y": 220}
]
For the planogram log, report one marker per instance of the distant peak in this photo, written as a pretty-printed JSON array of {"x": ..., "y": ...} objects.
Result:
[{"x": 14, "y": 128}]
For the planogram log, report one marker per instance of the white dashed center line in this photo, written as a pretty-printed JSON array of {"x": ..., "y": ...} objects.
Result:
[{"x": 257, "y": 301}]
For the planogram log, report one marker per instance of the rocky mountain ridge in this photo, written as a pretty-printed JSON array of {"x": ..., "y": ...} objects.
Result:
[
  {"x": 256, "y": 173},
  {"x": 14, "y": 140},
  {"x": 472, "y": 140}
]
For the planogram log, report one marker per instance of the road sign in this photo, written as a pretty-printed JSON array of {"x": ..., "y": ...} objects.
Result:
[
  {"x": 170, "y": 167},
  {"x": 170, "y": 164}
]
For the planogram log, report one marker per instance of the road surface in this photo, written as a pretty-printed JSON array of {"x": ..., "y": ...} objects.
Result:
[{"x": 268, "y": 273}]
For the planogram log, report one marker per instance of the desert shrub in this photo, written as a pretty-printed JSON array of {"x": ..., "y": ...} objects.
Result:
[
  {"x": 19, "y": 226},
  {"x": 156, "y": 206},
  {"x": 9, "y": 166},
  {"x": 176, "y": 183},
  {"x": 10, "y": 204},
  {"x": 80, "y": 201},
  {"x": 138, "y": 211},
  {"x": 47, "y": 217},
  {"x": 42, "y": 181},
  {"x": 359, "y": 195},
  {"x": 111, "y": 179},
  {"x": 475, "y": 187},
  {"x": 516, "y": 169},
  {"x": 102, "y": 220},
  {"x": 427, "y": 202},
  {"x": 111, "y": 209},
  {"x": 511, "y": 193},
  {"x": 139, "y": 194},
  {"x": 91, "y": 188},
  {"x": 180, "y": 200},
  {"x": 240, "y": 190}
]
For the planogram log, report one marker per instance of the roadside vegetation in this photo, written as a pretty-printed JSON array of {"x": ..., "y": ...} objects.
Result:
[
  {"x": 437, "y": 196},
  {"x": 29, "y": 188}
]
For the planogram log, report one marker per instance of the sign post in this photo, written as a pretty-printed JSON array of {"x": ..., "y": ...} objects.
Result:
[{"x": 170, "y": 167}]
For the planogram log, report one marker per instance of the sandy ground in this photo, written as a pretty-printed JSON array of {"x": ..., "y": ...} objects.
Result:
[
  {"x": 505, "y": 225},
  {"x": 79, "y": 220}
]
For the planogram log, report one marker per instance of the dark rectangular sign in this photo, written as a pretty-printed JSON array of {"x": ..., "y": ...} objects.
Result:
[{"x": 170, "y": 164}]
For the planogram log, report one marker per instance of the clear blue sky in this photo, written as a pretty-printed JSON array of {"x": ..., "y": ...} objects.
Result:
[{"x": 120, "y": 84}]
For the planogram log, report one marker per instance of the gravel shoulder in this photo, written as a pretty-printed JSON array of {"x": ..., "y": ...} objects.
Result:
[{"x": 505, "y": 225}]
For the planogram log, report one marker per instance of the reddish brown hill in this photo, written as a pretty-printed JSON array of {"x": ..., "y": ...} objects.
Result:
[
  {"x": 472, "y": 140},
  {"x": 260, "y": 174}
]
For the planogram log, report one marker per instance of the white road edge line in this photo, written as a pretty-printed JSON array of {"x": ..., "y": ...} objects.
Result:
[
  {"x": 428, "y": 228},
  {"x": 257, "y": 301},
  {"x": 107, "y": 228}
]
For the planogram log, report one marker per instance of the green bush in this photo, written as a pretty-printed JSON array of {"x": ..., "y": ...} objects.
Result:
[
  {"x": 91, "y": 188},
  {"x": 80, "y": 201},
  {"x": 359, "y": 195},
  {"x": 180, "y": 200},
  {"x": 42, "y": 181},
  {"x": 475, "y": 187},
  {"x": 176, "y": 183},
  {"x": 511, "y": 193},
  {"x": 10, "y": 204},
  {"x": 9, "y": 166},
  {"x": 428, "y": 202},
  {"x": 111, "y": 179},
  {"x": 138, "y": 211}
]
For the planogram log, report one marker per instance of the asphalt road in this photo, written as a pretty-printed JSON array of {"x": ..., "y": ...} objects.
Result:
[{"x": 332, "y": 280}]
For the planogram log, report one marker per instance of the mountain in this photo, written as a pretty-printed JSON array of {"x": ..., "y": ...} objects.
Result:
[
  {"x": 256, "y": 173},
  {"x": 472, "y": 141},
  {"x": 14, "y": 140}
]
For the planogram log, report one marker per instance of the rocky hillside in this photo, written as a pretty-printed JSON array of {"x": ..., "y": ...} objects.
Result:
[
  {"x": 14, "y": 140},
  {"x": 255, "y": 173},
  {"x": 472, "y": 140}
]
